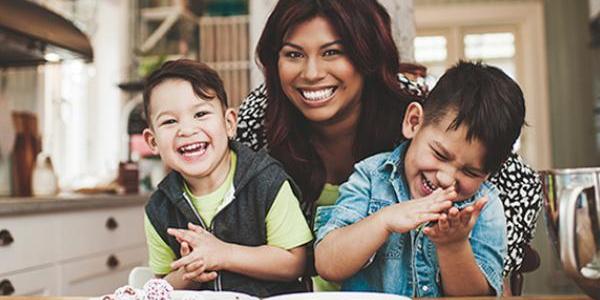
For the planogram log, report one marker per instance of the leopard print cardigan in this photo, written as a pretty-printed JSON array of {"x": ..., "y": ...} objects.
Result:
[{"x": 520, "y": 186}]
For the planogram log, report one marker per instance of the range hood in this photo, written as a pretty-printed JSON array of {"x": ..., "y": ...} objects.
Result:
[{"x": 28, "y": 32}]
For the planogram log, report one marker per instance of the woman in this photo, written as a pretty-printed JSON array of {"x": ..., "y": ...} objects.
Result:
[{"x": 332, "y": 97}]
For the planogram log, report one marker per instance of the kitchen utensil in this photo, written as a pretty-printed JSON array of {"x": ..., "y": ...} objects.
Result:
[
  {"x": 7, "y": 134},
  {"x": 572, "y": 211},
  {"x": 27, "y": 146},
  {"x": 44, "y": 181}
]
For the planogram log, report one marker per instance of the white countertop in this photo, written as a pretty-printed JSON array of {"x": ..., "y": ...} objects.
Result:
[{"x": 24, "y": 205}]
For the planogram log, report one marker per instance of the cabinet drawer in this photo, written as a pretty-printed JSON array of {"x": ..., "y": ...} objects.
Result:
[
  {"x": 38, "y": 282},
  {"x": 101, "y": 274},
  {"x": 96, "y": 231},
  {"x": 27, "y": 241}
]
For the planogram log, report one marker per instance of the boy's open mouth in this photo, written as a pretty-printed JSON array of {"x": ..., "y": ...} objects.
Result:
[
  {"x": 192, "y": 149},
  {"x": 428, "y": 186}
]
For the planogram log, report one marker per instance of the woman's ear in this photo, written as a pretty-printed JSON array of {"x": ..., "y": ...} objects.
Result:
[
  {"x": 231, "y": 122},
  {"x": 150, "y": 140},
  {"x": 413, "y": 120}
]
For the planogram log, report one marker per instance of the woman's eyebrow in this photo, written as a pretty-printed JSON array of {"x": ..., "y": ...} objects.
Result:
[{"x": 329, "y": 44}]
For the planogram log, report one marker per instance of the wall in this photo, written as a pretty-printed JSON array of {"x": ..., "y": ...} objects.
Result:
[
  {"x": 570, "y": 84},
  {"x": 82, "y": 103}
]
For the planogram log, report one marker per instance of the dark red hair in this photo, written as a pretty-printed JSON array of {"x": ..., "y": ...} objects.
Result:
[{"x": 365, "y": 32}]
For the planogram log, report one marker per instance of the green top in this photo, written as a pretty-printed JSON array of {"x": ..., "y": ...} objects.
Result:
[
  {"x": 286, "y": 226},
  {"x": 328, "y": 196}
]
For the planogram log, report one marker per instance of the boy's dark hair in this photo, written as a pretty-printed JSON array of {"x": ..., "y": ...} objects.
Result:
[
  {"x": 487, "y": 101},
  {"x": 201, "y": 77}
]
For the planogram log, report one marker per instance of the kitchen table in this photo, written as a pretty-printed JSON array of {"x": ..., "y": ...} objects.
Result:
[{"x": 541, "y": 297}]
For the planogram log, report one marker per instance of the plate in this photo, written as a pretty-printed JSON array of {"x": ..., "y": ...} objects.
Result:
[
  {"x": 209, "y": 295},
  {"x": 339, "y": 296}
]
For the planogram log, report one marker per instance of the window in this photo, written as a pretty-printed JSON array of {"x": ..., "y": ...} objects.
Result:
[
  {"x": 496, "y": 49},
  {"x": 493, "y": 46},
  {"x": 508, "y": 35}
]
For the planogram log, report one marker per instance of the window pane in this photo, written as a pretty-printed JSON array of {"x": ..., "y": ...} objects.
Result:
[
  {"x": 496, "y": 49},
  {"x": 432, "y": 52},
  {"x": 489, "y": 45},
  {"x": 430, "y": 48}
]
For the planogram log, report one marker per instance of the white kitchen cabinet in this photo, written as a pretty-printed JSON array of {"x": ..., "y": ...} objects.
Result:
[
  {"x": 27, "y": 241},
  {"x": 99, "y": 231},
  {"x": 41, "y": 281},
  {"x": 84, "y": 252},
  {"x": 100, "y": 274}
]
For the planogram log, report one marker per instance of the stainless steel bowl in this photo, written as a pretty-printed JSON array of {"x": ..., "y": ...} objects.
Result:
[{"x": 572, "y": 213}]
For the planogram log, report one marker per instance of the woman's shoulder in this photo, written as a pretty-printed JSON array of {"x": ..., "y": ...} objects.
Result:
[
  {"x": 414, "y": 85},
  {"x": 251, "y": 119},
  {"x": 517, "y": 175}
]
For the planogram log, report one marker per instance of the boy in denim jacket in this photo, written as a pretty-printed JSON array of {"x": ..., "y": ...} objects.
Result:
[{"x": 421, "y": 220}]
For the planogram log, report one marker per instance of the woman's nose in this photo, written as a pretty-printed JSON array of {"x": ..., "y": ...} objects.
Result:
[
  {"x": 445, "y": 178},
  {"x": 313, "y": 70}
]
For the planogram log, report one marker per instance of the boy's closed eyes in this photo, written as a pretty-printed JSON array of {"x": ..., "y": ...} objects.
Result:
[{"x": 441, "y": 156}]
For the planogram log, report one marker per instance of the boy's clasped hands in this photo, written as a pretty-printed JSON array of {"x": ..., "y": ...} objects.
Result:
[
  {"x": 448, "y": 224},
  {"x": 202, "y": 254}
]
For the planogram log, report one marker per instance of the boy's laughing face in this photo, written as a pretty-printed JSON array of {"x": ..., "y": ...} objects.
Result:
[
  {"x": 438, "y": 157},
  {"x": 190, "y": 133}
]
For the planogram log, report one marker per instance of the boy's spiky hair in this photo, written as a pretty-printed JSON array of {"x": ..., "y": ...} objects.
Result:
[{"x": 488, "y": 102}]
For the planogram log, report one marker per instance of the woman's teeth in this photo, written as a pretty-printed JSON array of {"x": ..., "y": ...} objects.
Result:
[{"x": 317, "y": 95}]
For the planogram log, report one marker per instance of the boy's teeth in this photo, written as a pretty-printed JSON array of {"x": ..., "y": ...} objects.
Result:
[
  {"x": 192, "y": 147},
  {"x": 428, "y": 184},
  {"x": 317, "y": 95}
]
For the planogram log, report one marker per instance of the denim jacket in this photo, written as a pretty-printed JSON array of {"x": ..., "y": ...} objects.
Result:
[{"x": 407, "y": 263}]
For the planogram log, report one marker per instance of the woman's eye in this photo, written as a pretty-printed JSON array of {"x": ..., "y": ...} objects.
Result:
[
  {"x": 332, "y": 52},
  {"x": 292, "y": 54}
]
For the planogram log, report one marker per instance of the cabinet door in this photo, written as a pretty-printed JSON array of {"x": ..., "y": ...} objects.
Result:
[
  {"x": 85, "y": 233},
  {"x": 27, "y": 241},
  {"x": 100, "y": 274},
  {"x": 38, "y": 282}
]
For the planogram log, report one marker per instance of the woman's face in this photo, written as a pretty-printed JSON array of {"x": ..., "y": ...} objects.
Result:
[{"x": 316, "y": 74}]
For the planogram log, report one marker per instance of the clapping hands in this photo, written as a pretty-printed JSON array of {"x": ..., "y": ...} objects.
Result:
[
  {"x": 408, "y": 215},
  {"x": 455, "y": 226},
  {"x": 202, "y": 254}
]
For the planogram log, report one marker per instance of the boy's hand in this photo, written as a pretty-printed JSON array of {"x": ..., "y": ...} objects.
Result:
[
  {"x": 208, "y": 253},
  {"x": 456, "y": 225},
  {"x": 204, "y": 277},
  {"x": 405, "y": 216}
]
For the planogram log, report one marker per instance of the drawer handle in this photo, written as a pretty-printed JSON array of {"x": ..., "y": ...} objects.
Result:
[
  {"x": 6, "y": 288},
  {"x": 5, "y": 238},
  {"x": 112, "y": 262},
  {"x": 112, "y": 224}
]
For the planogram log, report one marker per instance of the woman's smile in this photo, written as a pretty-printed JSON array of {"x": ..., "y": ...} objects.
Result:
[
  {"x": 317, "y": 96},
  {"x": 316, "y": 75}
]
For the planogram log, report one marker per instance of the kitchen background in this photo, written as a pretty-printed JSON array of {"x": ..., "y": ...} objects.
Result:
[{"x": 81, "y": 117}]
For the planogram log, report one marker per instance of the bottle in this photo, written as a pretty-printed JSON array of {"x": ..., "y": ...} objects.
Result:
[{"x": 44, "y": 181}]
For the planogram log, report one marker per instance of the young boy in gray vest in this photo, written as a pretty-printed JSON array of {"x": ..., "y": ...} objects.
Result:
[
  {"x": 429, "y": 224},
  {"x": 225, "y": 217}
]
